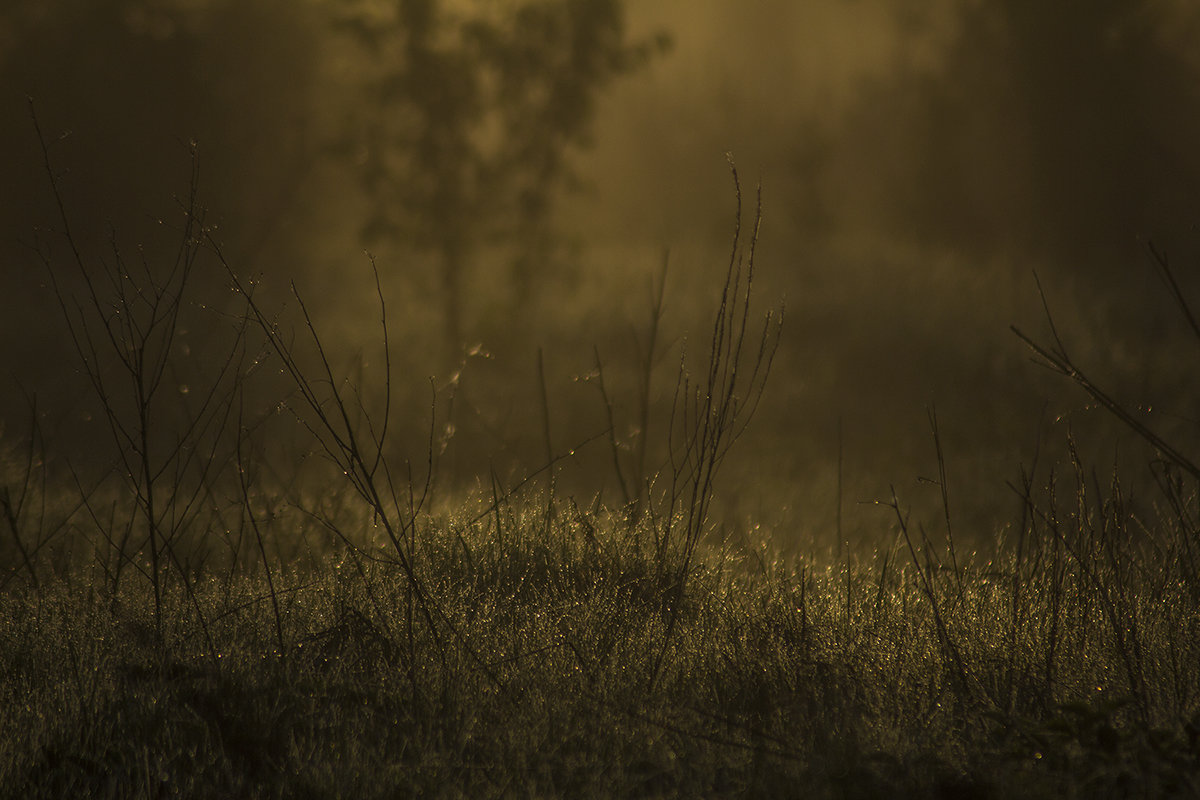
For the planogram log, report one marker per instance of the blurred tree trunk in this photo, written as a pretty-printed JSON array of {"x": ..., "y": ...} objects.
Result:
[
  {"x": 465, "y": 123},
  {"x": 454, "y": 258}
]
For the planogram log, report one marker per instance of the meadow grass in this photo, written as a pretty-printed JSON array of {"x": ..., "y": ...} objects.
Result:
[{"x": 1058, "y": 671}]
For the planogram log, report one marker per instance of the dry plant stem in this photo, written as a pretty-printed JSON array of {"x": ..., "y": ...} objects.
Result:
[
  {"x": 1122, "y": 625},
  {"x": 614, "y": 446},
  {"x": 244, "y": 481},
  {"x": 1055, "y": 357},
  {"x": 506, "y": 495},
  {"x": 1031, "y": 552},
  {"x": 124, "y": 333},
  {"x": 841, "y": 542},
  {"x": 648, "y": 359},
  {"x": 13, "y": 509},
  {"x": 334, "y": 432},
  {"x": 707, "y": 418},
  {"x": 716, "y": 415},
  {"x": 1108, "y": 537},
  {"x": 12, "y": 515},
  {"x": 1017, "y": 581},
  {"x": 1163, "y": 267},
  {"x": 545, "y": 404},
  {"x": 1058, "y": 573},
  {"x": 960, "y": 677},
  {"x": 1181, "y": 501},
  {"x": 361, "y": 460},
  {"x": 1080, "y": 547},
  {"x": 944, "y": 486},
  {"x": 635, "y": 489}
]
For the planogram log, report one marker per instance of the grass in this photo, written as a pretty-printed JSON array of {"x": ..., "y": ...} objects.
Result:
[
  {"x": 781, "y": 679},
  {"x": 205, "y": 620}
]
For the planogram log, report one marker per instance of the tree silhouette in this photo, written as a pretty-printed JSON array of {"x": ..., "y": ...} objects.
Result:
[
  {"x": 1065, "y": 128},
  {"x": 469, "y": 118},
  {"x": 1105, "y": 104},
  {"x": 135, "y": 81}
]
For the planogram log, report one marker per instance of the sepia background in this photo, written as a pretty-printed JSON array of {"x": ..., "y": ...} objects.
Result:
[{"x": 919, "y": 164}]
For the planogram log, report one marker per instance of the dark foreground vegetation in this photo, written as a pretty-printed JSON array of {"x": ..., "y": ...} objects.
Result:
[
  {"x": 557, "y": 657},
  {"x": 562, "y": 662},
  {"x": 207, "y": 619},
  {"x": 549, "y": 651}
]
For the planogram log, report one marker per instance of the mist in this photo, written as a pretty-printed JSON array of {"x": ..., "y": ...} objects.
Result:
[{"x": 918, "y": 164}]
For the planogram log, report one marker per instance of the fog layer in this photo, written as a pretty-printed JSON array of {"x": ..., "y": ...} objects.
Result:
[{"x": 919, "y": 163}]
